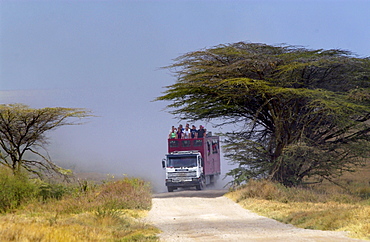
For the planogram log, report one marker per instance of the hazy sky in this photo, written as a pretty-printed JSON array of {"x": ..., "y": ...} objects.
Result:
[{"x": 105, "y": 56}]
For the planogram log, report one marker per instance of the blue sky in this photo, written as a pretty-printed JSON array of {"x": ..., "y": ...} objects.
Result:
[{"x": 106, "y": 56}]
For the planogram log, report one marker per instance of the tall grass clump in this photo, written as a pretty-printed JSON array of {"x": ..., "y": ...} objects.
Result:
[
  {"x": 323, "y": 207},
  {"x": 83, "y": 211},
  {"x": 15, "y": 190},
  {"x": 268, "y": 190},
  {"x": 128, "y": 193}
]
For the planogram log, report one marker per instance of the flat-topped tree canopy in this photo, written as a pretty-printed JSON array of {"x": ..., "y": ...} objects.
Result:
[
  {"x": 305, "y": 112},
  {"x": 23, "y": 131}
]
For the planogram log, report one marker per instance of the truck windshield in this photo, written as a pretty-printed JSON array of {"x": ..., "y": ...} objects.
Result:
[{"x": 184, "y": 161}]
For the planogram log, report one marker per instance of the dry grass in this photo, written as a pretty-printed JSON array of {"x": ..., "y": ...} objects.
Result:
[
  {"x": 323, "y": 216},
  {"x": 324, "y": 207},
  {"x": 111, "y": 211},
  {"x": 128, "y": 193},
  {"x": 80, "y": 227}
]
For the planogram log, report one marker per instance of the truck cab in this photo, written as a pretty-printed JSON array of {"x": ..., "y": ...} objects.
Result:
[
  {"x": 192, "y": 162},
  {"x": 184, "y": 169}
]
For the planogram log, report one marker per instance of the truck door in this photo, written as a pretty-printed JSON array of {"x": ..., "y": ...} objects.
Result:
[{"x": 201, "y": 164}]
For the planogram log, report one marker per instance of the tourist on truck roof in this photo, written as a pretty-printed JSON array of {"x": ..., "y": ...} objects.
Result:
[
  {"x": 187, "y": 133},
  {"x": 172, "y": 128},
  {"x": 180, "y": 132},
  {"x": 173, "y": 133},
  {"x": 193, "y": 132},
  {"x": 201, "y": 131}
]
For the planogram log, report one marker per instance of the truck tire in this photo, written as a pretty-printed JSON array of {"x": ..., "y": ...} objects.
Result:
[
  {"x": 201, "y": 185},
  {"x": 170, "y": 189}
]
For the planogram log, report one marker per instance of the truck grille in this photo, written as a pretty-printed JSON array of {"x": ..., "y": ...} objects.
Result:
[{"x": 182, "y": 174}]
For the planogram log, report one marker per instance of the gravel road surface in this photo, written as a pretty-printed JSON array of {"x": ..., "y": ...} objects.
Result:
[{"x": 207, "y": 215}]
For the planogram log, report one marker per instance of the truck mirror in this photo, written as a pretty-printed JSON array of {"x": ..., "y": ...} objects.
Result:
[{"x": 163, "y": 163}]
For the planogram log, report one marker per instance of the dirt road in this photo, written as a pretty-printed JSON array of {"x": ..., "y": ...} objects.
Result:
[{"x": 209, "y": 216}]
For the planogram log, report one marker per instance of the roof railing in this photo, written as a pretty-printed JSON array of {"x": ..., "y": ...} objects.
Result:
[{"x": 185, "y": 152}]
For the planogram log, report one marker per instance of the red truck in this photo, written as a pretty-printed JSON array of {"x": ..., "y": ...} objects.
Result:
[{"x": 192, "y": 162}]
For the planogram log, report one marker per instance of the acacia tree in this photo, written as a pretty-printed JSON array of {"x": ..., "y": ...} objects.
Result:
[
  {"x": 305, "y": 112},
  {"x": 22, "y": 135}
]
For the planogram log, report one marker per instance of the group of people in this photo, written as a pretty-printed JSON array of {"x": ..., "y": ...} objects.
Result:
[{"x": 187, "y": 132}]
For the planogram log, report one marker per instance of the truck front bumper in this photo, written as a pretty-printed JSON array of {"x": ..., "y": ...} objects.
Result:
[{"x": 183, "y": 183}]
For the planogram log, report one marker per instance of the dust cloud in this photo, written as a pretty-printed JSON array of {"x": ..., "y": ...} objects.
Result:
[{"x": 125, "y": 138}]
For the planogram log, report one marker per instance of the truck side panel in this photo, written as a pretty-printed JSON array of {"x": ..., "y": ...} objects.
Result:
[
  {"x": 211, "y": 156},
  {"x": 209, "y": 147}
]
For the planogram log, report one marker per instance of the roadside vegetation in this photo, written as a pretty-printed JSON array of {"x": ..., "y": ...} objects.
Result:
[
  {"x": 344, "y": 206},
  {"x": 35, "y": 205},
  {"x": 34, "y": 210}
]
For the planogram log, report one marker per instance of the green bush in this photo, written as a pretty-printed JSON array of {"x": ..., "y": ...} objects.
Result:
[
  {"x": 51, "y": 191},
  {"x": 15, "y": 190}
]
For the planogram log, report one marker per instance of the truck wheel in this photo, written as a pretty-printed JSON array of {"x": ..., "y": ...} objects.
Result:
[
  {"x": 170, "y": 189},
  {"x": 201, "y": 185}
]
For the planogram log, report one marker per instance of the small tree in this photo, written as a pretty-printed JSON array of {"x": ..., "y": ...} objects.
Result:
[
  {"x": 22, "y": 134},
  {"x": 304, "y": 113}
]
